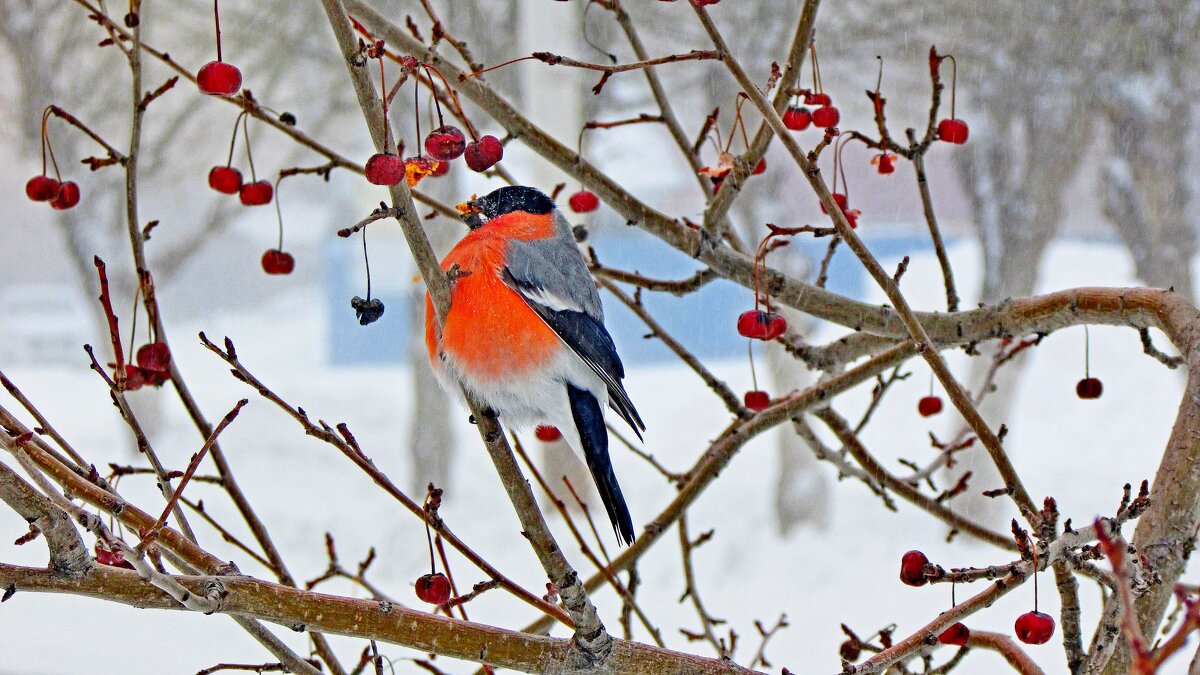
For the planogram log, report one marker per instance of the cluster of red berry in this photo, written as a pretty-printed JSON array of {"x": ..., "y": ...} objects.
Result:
[
  {"x": 1033, "y": 627},
  {"x": 60, "y": 194},
  {"x": 228, "y": 180}
]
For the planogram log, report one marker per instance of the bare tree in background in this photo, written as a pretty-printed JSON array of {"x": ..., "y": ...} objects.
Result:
[{"x": 1148, "y": 100}]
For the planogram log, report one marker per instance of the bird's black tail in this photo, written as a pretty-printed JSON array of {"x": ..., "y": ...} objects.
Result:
[{"x": 589, "y": 420}]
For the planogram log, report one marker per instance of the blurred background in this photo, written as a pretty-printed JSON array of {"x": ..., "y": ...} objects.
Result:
[{"x": 1080, "y": 169}]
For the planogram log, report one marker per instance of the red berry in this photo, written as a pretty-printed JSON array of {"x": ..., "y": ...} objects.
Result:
[
  {"x": 885, "y": 164},
  {"x": 757, "y": 400},
  {"x": 761, "y": 167},
  {"x": 219, "y": 78},
  {"x": 849, "y": 651},
  {"x": 225, "y": 179},
  {"x": 384, "y": 168},
  {"x": 434, "y": 588},
  {"x": 440, "y": 169},
  {"x": 701, "y": 3},
  {"x": 1089, "y": 388},
  {"x": 818, "y": 99},
  {"x": 135, "y": 378},
  {"x": 68, "y": 196},
  {"x": 1034, "y": 628},
  {"x": 956, "y": 635},
  {"x": 482, "y": 154},
  {"x": 155, "y": 356},
  {"x": 275, "y": 261},
  {"x": 826, "y": 116},
  {"x": 41, "y": 188},
  {"x": 952, "y": 131},
  {"x": 547, "y": 434},
  {"x": 761, "y": 325},
  {"x": 929, "y": 406},
  {"x": 912, "y": 568},
  {"x": 445, "y": 143},
  {"x": 796, "y": 118},
  {"x": 256, "y": 193},
  {"x": 583, "y": 202}
]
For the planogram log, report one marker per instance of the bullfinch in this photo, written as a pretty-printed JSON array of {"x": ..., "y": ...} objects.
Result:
[{"x": 525, "y": 333}]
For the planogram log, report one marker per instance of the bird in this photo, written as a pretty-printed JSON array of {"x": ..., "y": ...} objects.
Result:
[{"x": 524, "y": 333}]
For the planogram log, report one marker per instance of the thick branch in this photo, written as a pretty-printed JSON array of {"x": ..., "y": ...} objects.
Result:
[{"x": 369, "y": 619}]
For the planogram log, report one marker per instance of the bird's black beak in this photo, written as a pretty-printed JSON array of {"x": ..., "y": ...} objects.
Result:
[{"x": 471, "y": 213}]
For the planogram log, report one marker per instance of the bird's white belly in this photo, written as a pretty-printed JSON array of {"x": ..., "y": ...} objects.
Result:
[{"x": 537, "y": 397}]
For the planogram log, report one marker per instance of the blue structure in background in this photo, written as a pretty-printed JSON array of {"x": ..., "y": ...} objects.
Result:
[{"x": 703, "y": 321}]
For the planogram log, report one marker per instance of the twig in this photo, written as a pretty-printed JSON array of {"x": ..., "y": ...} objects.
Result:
[
  {"x": 838, "y": 425},
  {"x": 708, "y": 622},
  {"x": 935, "y": 233},
  {"x": 1005, "y": 646},
  {"x": 722, "y": 390},
  {"x": 678, "y": 288},
  {"x": 152, "y": 533},
  {"x": 760, "y": 657},
  {"x": 43, "y": 424},
  {"x": 1148, "y": 347}
]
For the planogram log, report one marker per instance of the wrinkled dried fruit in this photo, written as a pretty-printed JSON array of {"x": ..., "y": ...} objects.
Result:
[{"x": 368, "y": 311}]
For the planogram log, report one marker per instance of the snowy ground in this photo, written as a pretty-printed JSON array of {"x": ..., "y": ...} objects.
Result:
[{"x": 1081, "y": 452}]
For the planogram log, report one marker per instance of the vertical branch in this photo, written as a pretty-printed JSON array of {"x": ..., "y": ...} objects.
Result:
[
  {"x": 935, "y": 233},
  {"x": 592, "y": 643}
]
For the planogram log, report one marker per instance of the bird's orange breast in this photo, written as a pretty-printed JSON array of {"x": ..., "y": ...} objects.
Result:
[{"x": 489, "y": 330}]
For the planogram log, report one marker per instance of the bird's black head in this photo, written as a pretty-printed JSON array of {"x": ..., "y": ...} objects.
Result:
[{"x": 505, "y": 200}]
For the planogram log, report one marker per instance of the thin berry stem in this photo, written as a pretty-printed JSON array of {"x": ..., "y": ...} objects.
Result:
[
  {"x": 750, "y": 354},
  {"x": 879, "y": 80},
  {"x": 477, "y": 73},
  {"x": 367, "y": 263},
  {"x": 233, "y": 139},
  {"x": 217, "y": 21},
  {"x": 417, "y": 117},
  {"x": 436, "y": 104},
  {"x": 1087, "y": 348},
  {"x": 812, "y": 50},
  {"x": 133, "y": 321},
  {"x": 953, "y": 82},
  {"x": 278, "y": 210},
  {"x": 387, "y": 128},
  {"x": 46, "y": 144},
  {"x": 249, "y": 156},
  {"x": 816, "y": 69},
  {"x": 840, "y": 166},
  {"x": 931, "y": 382},
  {"x": 1033, "y": 548}
]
